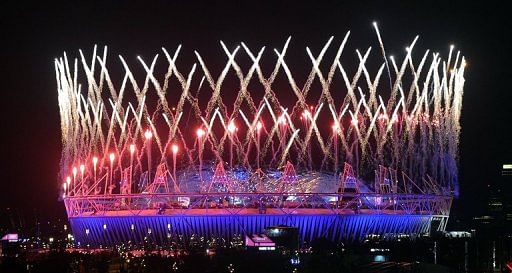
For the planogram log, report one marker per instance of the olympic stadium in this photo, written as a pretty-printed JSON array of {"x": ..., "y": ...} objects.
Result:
[{"x": 158, "y": 149}]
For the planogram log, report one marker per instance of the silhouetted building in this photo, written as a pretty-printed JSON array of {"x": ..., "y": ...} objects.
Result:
[
  {"x": 284, "y": 236},
  {"x": 506, "y": 183},
  {"x": 10, "y": 245},
  {"x": 497, "y": 215},
  {"x": 494, "y": 227}
]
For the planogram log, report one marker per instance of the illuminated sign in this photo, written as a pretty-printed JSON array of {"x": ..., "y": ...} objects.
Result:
[{"x": 12, "y": 237}]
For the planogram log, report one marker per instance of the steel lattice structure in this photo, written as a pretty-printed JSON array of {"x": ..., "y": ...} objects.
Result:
[{"x": 110, "y": 220}]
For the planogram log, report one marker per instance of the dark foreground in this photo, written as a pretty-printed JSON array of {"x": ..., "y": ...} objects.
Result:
[
  {"x": 323, "y": 259},
  {"x": 227, "y": 261},
  {"x": 423, "y": 254}
]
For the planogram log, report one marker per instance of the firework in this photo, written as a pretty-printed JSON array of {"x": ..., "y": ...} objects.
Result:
[{"x": 248, "y": 131}]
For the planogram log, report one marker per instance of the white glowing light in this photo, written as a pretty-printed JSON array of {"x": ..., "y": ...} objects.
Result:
[
  {"x": 200, "y": 133},
  {"x": 259, "y": 125},
  {"x": 174, "y": 148},
  {"x": 282, "y": 119},
  {"x": 231, "y": 127},
  {"x": 148, "y": 134},
  {"x": 335, "y": 127},
  {"x": 306, "y": 114}
]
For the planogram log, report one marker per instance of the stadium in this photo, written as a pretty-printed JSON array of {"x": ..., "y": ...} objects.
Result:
[{"x": 339, "y": 151}]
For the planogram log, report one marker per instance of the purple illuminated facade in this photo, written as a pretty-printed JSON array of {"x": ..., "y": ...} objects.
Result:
[{"x": 338, "y": 217}]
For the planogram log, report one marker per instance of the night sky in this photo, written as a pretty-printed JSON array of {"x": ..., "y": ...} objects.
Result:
[{"x": 33, "y": 35}]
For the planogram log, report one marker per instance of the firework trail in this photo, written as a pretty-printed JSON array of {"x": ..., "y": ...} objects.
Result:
[{"x": 412, "y": 125}]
